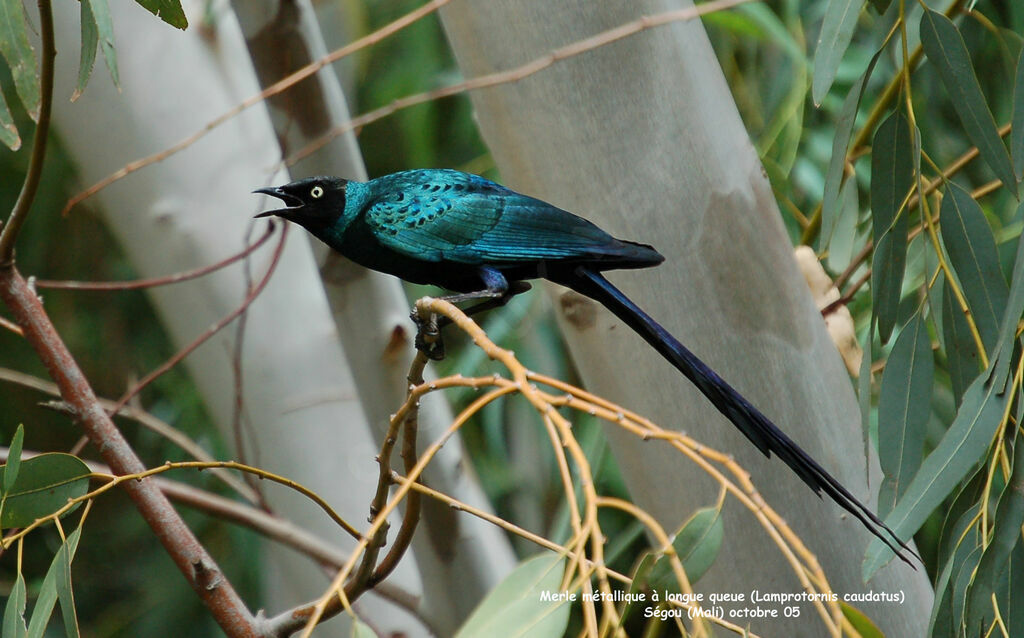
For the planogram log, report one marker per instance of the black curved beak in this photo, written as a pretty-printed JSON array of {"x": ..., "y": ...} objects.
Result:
[{"x": 292, "y": 203}]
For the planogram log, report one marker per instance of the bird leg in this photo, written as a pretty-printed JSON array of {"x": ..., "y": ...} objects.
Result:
[
  {"x": 497, "y": 294},
  {"x": 428, "y": 335},
  {"x": 514, "y": 289}
]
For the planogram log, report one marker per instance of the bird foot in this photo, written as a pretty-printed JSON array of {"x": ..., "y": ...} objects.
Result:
[{"x": 428, "y": 336}]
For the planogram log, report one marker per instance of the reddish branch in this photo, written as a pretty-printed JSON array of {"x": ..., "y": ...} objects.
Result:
[
  {"x": 188, "y": 554},
  {"x": 212, "y": 330},
  {"x": 278, "y": 87},
  {"x": 155, "y": 281}
]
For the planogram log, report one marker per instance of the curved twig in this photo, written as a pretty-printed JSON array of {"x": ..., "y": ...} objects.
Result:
[
  {"x": 152, "y": 282},
  {"x": 211, "y": 331}
]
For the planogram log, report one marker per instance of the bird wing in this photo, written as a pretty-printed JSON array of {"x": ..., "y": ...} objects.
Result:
[{"x": 445, "y": 215}]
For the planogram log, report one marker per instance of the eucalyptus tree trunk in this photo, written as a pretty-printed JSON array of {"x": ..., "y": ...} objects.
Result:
[
  {"x": 303, "y": 411},
  {"x": 643, "y": 137},
  {"x": 372, "y": 316}
]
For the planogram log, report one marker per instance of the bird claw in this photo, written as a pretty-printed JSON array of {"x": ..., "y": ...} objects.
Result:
[{"x": 428, "y": 336}]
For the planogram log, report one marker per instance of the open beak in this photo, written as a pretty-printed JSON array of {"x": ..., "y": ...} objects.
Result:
[{"x": 292, "y": 203}]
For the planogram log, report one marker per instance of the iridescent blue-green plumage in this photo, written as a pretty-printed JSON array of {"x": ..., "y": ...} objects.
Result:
[
  {"x": 469, "y": 234},
  {"x": 440, "y": 226}
]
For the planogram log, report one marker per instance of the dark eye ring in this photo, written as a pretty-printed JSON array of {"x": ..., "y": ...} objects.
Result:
[{"x": 317, "y": 192}]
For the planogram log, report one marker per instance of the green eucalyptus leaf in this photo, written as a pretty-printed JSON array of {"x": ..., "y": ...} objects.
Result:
[
  {"x": 8, "y": 131},
  {"x": 836, "y": 33},
  {"x": 697, "y": 545},
  {"x": 105, "y": 27},
  {"x": 1011, "y": 316},
  {"x": 1011, "y": 605},
  {"x": 15, "y": 48},
  {"x": 972, "y": 252},
  {"x": 963, "y": 540},
  {"x": 13, "y": 624},
  {"x": 945, "y": 49},
  {"x": 904, "y": 407},
  {"x": 90, "y": 40},
  {"x": 864, "y": 386},
  {"x": 362, "y": 630},
  {"x": 48, "y": 592},
  {"x": 960, "y": 520},
  {"x": 65, "y": 593},
  {"x": 169, "y": 11},
  {"x": 1005, "y": 536},
  {"x": 962, "y": 356},
  {"x": 864, "y": 626},
  {"x": 959, "y": 450},
  {"x": 1017, "y": 128},
  {"x": 44, "y": 485},
  {"x": 526, "y": 603},
  {"x": 13, "y": 461},
  {"x": 840, "y": 146},
  {"x": 963, "y": 575},
  {"x": 639, "y": 581},
  {"x": 892, "y": 174},
  {"x": 844, "y": 234}
]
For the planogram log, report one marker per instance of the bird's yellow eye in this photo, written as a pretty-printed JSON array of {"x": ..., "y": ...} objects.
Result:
[{"x": 317, "y": 192}]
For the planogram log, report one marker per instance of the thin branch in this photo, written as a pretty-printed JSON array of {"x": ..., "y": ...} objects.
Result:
[
  {"x": 145, "y": 419},
  {"x": 191, "y": 558},
  {"x": 915, "y": 200},
  {"x": 238, "y": 417},
  {"x": 585, "y": 569},
  {"x": 211, "y": 331},
  {"x": 514, "y": 75},
  {"x": 281, "y": 530},
  {"x": 847, "y": 296},
  {"x": 115, "y": 480},
  {"x": 540, "y": 541},
  {"x": 155, "y": 281},
  {"x": 334, "y": 600},
  {"x": 519, "y": 73},
  {"x": 369, "y": 574},
  {"x": 9, "y": 232},
  {"x": 412, "y": 506},
  {"x": 361, "y": 580},
  {"x": 7, "y": 324},
  {"x": 278, "y": 87}
]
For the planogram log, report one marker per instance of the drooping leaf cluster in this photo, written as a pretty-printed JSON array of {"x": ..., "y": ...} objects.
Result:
[
  {"x": 924, "y": 130},
  {"x": 97, "y": 32}
]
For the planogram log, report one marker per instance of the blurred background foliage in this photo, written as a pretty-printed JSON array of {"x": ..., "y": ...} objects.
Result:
[{"x": 765, "y": 50}]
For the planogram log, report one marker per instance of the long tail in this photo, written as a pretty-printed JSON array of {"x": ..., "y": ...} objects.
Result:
[{"x": 762, "y": 432}]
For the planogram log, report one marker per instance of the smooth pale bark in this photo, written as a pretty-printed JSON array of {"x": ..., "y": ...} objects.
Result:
[
  {"x": 303, "y": 410},
  {"x": 643, "y": 137},
  {"x": 371, "y": 312}
]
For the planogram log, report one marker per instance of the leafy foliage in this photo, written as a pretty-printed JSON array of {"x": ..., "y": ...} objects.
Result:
[
  {"x": 44, "y": 484},
  {"x": 97, "y": 31},
  {"x": 935, "y": 260},
  {"x": 520, "y": 605}
]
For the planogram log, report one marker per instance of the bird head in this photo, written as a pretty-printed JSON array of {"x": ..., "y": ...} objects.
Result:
[{"x": 310, "y": 202}]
